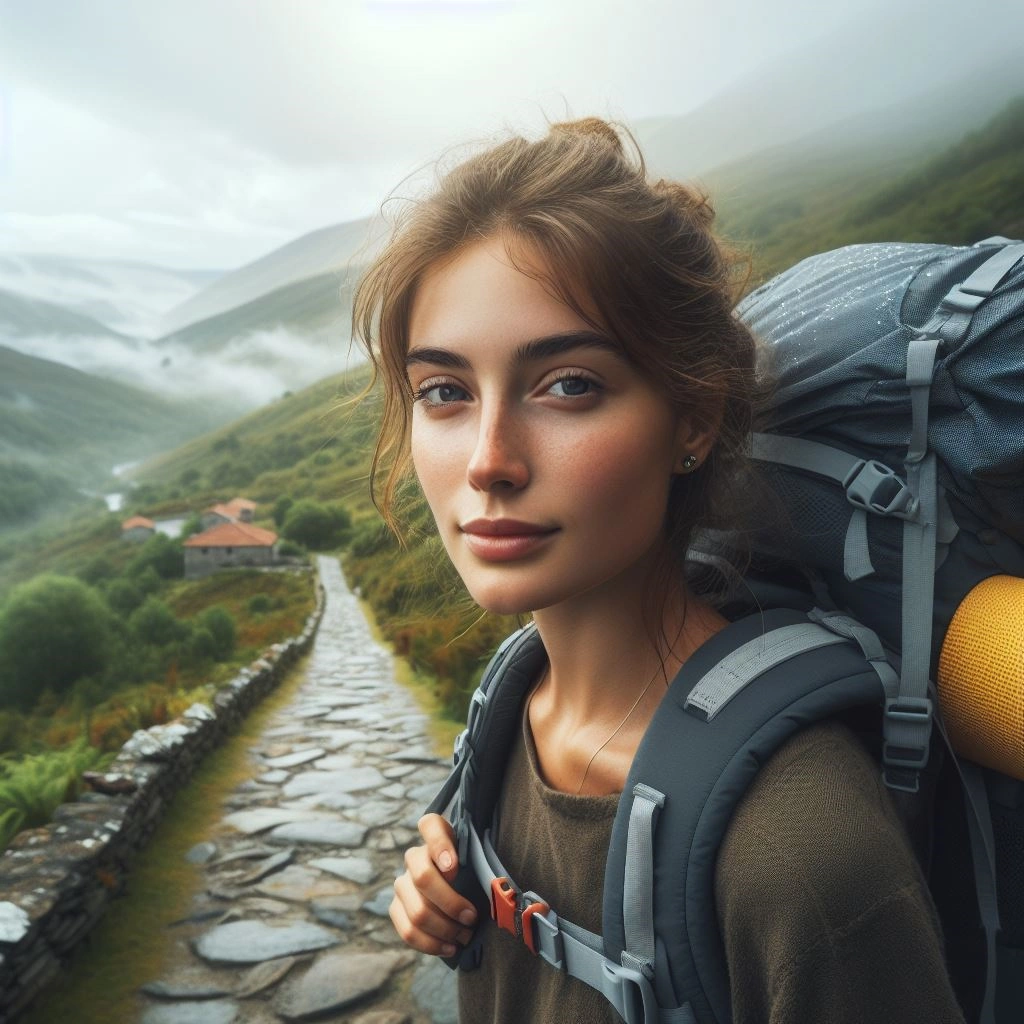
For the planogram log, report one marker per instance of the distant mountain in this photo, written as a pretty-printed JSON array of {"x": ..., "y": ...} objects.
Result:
[
  {"x": 22, "y": 314},
  {"x": 332, "y": 249},
  {"x": 316, "y": 305},
  {"x": 80, "y": 425},
  {"x": 796, "y": 200},
  {"x": 824, "y": 95},
  {"x": 125, "y": 297}
]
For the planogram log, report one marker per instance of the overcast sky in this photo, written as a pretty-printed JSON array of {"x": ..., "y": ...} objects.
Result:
[{"x": 204, "y": 133}]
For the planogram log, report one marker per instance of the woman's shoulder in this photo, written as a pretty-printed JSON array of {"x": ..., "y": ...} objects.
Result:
[{"x": 817, "y": 822}]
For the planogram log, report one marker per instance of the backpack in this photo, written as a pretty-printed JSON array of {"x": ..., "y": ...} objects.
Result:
[{"x": 900, "y": 348}]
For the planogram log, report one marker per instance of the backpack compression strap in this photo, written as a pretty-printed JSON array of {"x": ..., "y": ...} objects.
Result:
[{"x": 873, "y": 488}]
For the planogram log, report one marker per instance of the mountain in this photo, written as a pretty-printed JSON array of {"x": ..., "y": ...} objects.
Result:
[
  {"x": 803, "y": 198},
  {"x": 331, "y": 249},
  {"x": 125, "y": 297},
  {"x": 851, "y": 89},
  {"x": 22, "y": 314},
  {"x": 80, "y": 425}
]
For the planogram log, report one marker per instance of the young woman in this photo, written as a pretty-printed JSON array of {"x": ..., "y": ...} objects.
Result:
[{"x": 563, "y": 370}]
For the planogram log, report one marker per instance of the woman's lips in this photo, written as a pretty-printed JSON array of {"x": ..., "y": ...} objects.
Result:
[{"x": 504, "y": 540}]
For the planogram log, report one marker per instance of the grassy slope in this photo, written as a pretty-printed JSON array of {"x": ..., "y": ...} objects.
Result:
[
  {"x": 310, "y": 305},
  {"x": 78, "y": 422},
  {"x": 790, "y": 203},
  {"x": 22, "y": 314}
]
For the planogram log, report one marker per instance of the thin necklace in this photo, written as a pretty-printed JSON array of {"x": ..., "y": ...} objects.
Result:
[{"x": 614, "y": 732}]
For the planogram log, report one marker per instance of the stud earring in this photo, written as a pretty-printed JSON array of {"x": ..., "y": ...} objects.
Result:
[{"x": 689, "y": 463}]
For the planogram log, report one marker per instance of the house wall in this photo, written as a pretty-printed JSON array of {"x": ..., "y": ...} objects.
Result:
[
  {"x": 137, "y": 534},
  {"x": 203, "y": 561},
  {"x": 208, "y": 519}
]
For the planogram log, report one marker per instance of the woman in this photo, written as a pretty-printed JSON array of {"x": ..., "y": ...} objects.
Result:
[{"x": 562, "y": 367}]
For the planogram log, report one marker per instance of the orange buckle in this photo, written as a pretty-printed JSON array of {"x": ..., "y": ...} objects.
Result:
[{"x": 505, "y": 909}]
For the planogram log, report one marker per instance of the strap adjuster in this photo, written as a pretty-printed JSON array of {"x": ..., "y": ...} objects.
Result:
[
  {"x": 875, "y": 487},
  {"x": 909, "y": 719},
  {"x": 515, "y": 912}
]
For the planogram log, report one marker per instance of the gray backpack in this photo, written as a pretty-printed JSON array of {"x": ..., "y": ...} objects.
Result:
[{"x": 885, "y": 356}]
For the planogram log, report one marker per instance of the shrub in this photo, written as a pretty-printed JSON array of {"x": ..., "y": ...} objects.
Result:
[
  {"x": 123, "y": 596},
  {"x": 289, "y": 549},
  {"x": 53, "y": 630},
  {"x": 317, "y": 526},
  {"x": 161, "y": 553},
  {"x": 281, "y": 507},
  {"x": 258, "y": 604},
  {"x": 221, "y": 625},
  {"x": 155, "y": 625}
]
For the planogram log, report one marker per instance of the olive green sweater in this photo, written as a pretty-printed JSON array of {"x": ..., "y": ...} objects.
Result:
[{"x": 823, "y": 910}]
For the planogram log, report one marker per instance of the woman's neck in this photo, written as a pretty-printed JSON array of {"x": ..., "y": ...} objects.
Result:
[{"x": 603, "y": 653}]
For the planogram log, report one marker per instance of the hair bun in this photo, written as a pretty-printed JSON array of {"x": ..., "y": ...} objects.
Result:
[{"x": 593, "y": 127}]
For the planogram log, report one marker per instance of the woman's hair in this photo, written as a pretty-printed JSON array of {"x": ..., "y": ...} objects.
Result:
[{"x": 635, "y": 259}]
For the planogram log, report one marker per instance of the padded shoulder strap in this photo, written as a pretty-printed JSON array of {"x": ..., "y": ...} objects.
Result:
[{"x": 710, "y": 735}]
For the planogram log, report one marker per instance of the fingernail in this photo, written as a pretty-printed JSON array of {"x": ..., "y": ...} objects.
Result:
[
  {"x": 448, "y": 950},
  {"x": 467, "y": 917},
  {"x": 445, "y": 860}
]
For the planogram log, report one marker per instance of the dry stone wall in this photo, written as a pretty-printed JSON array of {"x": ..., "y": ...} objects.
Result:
[{"x": 56, "y": 881}]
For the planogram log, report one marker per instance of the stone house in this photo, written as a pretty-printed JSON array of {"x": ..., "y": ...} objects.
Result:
[
  {"x": 138, "y": 529},
  {"x": 237, "y": 510},
  {"x": 229, "y": 546}
]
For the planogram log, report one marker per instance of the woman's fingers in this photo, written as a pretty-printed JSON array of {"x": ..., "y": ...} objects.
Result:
[
  {"x": 440, "y": 839},
  {"x": 434, "y": 886},
  {"x": 422, "y": 924}
]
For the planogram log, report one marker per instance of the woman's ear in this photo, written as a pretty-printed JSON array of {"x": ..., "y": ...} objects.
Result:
[{"x": 695, "y": 437}]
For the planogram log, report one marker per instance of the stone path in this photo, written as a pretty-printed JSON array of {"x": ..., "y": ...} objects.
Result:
[{"x": 293, "y": 924}]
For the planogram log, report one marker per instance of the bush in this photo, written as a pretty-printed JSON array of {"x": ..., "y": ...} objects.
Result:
[
  {"x": 258, "y": 604},
  {"x": 369, "y": 537},
  {"x": 221, "y": 625},
  {"x": 163, "y": 555},
  {"x": 281, "y": 508},
  {"x": 53, "y": 631},
  {"x": 202, "y": 645},
  {"x": 289, "y": 549},
  {"x": 155, "y": 625},
  {"x": 317, "y": 526},
  {"x": 123, "y": 596}
]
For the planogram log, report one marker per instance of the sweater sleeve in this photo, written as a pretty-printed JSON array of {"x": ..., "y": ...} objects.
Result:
[{"x": 824, "y": 912}]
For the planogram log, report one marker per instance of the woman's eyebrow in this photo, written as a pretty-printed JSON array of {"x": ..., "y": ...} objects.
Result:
[{"x": 537, "y": 348}]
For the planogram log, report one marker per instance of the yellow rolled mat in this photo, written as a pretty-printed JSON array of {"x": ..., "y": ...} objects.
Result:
[{"x": 981, "y": 675}]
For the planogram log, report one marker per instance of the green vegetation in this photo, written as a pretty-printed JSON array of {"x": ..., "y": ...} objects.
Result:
[
  {"x": 33, "y": 787},
  {"x": 316, "y": 526},
  {"x": 792, "y": 203}
]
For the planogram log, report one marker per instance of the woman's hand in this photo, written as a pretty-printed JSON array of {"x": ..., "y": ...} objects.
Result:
[{"x": 427, "y": 912}]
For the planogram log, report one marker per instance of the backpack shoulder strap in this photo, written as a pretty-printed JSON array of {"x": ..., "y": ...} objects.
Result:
[{"x": 709, "y": 737}]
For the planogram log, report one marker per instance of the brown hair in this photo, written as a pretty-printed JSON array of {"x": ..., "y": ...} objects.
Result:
[{"x": 635, "y": 259}]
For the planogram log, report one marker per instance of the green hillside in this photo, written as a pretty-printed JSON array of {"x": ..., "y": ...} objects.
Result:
[
  {"x": 314, "y": 304},
  {"x": 21, "y": 315},
  {"x": 791, "y": 203}
]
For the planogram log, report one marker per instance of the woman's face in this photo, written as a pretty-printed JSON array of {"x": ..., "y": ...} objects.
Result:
[{"x": 545, "y": 456}]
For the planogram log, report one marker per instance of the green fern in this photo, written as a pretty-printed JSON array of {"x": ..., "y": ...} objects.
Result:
[{"x": 32, "y": 787}]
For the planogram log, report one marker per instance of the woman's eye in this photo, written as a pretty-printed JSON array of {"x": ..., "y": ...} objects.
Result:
[
  {"x": 573, "y": 387},
  {"x": 439, "y": 394}
]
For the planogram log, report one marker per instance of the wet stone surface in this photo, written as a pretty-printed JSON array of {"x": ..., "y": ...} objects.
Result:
[{"x": 293, "y": 923}]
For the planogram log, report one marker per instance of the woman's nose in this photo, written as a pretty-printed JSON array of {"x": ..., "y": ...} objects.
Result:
[{"x": 498, "y": 459}]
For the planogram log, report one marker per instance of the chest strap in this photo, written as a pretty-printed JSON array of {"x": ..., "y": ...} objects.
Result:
[{"x": 567, "y": 947}]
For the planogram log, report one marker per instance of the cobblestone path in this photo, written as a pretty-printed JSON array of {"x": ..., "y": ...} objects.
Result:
[{"x": 293, "y": 923}]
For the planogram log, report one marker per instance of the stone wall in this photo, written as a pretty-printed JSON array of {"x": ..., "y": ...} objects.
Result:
[{"x": 56, "y": 882}]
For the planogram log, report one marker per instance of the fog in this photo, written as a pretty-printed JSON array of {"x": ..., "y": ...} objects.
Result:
[{"x": 206, "y": 134}]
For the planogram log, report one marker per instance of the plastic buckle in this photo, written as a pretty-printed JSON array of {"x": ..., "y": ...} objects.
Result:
[
  {"x": 902, "y": 762},
  {"x": 476, "y": 706},
  {"x": 515, "y": 912},
  {"x": 875, "y": 487},
  {"x": 460, "y": 746},
  {"x": 548, "y": 933},
  {"x": 630, "y": 993}
]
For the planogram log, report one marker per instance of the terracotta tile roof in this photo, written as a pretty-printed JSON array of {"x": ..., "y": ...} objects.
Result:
[
  {"x": 129, "y": 524},
  {"x": 237, "y": 505},
  {"x": 232, "y": 535},
  {"x": 220, "y": 510}
]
